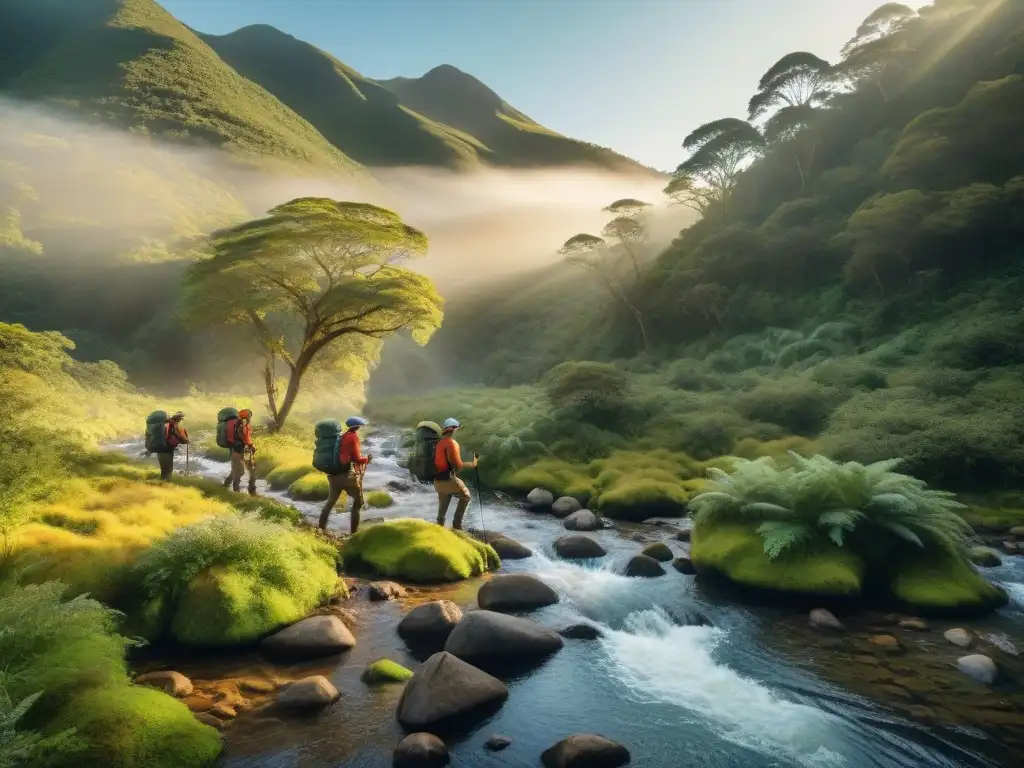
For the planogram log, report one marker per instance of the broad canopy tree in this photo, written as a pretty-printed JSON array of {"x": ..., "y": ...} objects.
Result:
[
  {"x": 309, "y": 279},
  {"x": 719, "y": 151}
]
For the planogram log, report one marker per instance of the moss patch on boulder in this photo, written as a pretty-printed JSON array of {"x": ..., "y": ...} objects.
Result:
[
  {"x": 283, "y": 476},
  {"x": 132, "y": 726},
  {"x": 943, "y": 583},
  {"x": 385, "y": 671},
  {"x": 736, "y": 552},
  {"x": 311, "y": 487},
  {"x": 417, "y": 551},
  {"x": 379, "y": 499},
  {"x": 230, "y": 581}
]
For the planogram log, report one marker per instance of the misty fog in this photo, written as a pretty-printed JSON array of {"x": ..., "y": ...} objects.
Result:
[{"x": 481, "y": 224}]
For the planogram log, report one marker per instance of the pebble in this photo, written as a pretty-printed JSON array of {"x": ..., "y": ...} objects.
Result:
[
  {"x": 918, "y": 625},
  {"x": 497, "y": 743},
  {"x": 821, "y": 618},
  {"x": 959, "y": 636},
  {"x": 885, "y": 642},
  {"x": 978, "y": 667}
]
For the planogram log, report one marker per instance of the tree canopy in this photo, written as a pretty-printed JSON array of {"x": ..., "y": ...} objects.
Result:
[{"x": 310, "y": 275}]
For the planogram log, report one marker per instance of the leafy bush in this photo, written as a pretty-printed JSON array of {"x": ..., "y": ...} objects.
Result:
[
  {"x": 379, "y": 499},
  {"x": 798, "y": 405},
  {"x": 818, "y": 501},
  {"x": 417, "y": 551},
  {"x": 231, "y": 580},
  {"x": 594, "y": 392}
]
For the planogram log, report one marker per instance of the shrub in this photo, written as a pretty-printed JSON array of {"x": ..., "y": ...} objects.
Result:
[
  {"x": 283, "y": 476},
  {"x": 311, "y": 487},
  {"x": 229, "y": 580},
  {"x": 797, "y": 404},
  {"x": 379, "y": 499},
  {"x": 417, "y": 551},
  {"x": 594, "y": 392},
  {"x": 988, "y": 342},
  {"x": 818, "y": 501}
]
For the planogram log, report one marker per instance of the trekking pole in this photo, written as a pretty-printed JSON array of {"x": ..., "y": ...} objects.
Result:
[
  {"x": 479, "y": 499},
  {"x": 186, "y": 459}
]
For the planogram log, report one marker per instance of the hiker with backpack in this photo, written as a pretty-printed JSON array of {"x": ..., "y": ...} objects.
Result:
[
  {"x": 447, "y": 462},
  {"x": 163, "y": 436},
  {"x": 234, "y": 432},
  {"x": 340, "y": 457}
]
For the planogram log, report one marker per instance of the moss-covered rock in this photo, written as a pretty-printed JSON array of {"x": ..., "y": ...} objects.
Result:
[
  {"x": 283, "y": 476},
  {"x": 641, "y": 497},
  {"x": 385, "y": 671},
  {"x": 214, "y": 452},
  {"x": 231, "y": 581},
  {"x": 417, "y": 551},
  {"x": 736, "y": 552},
  {"x": 985, "y": 557},
  {"x": 132, "y": 726},
  {"x": 311, "y": 487},
  {"x": 942, "y": 583},
  {"x": 379, "y": 499}
]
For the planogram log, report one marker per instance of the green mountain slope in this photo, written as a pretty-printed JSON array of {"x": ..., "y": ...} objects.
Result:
[
  {"x": 355, "y": 114},
  {"x": 131, "y": 62},
  {"x": 452, "y": 97}
]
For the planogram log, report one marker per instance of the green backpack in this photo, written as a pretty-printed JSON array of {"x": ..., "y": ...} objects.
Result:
[
  {"x": 225, "y": 415},
  {"x": 156, "y": 432},
  {"x": 327, "y": 446},
  {"x": 421, "y": 463}
]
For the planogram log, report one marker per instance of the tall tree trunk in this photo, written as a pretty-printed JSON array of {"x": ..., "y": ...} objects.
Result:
[
  {"x": 270, "y": 382},
  {"x": 289, "y": 399}
]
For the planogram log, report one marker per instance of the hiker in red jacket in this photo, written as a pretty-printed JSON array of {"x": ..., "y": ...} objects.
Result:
[{"x": 350, "y": 480}]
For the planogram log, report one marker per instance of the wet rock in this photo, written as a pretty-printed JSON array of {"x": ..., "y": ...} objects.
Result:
[
  {"x": 585, "y": 750},
  {"x": 684, "y": 534},
  {"x": 172, "y": 683},
  {"x": 985, "y": 557},
  {"x": 823, "y": 619},
  {"x": 446, "y": 690},
  {"x": 420, "y": 750},
  {"x": 308, "y": 693},
  {"x": 399, "y": 485},
  {"x": 386, "y": 590},
  {"x": 223, "y": 711},
  {"x": 582, "y": 520},
  {"x": 1017, "y": 530},
  {"x": 644, "y": 567},
  {"x": 565, "y": 506},
  {"x": 497, "y": 743},
  {"x": 255, "y": 685},
  {"x": 959, "y": 637},
  {"x": 510, "y": 549},
  {"x": 430, "y": 621},
  {"x": 1010, "y": 547},
  {"x": 485, "y": 636},
  {"x": 578, "y": 547},
  {"x": 917, "y": 625},
  {"x": 539, "y": 499},
  {"x": 310, "y": 638},
  {"x": 978, "y": 667},
  {"x": 581, "y": 631},
  {"x": 885, "y": 643},
  {"x": 515, "y": 592},
  {"x": 207, "y": 719},
  {"x": 658, "y": 551},
  {"x": 198, "y": 703},
  {"x": 639, "y": 538},
  {"x": 684, "y": 565}
]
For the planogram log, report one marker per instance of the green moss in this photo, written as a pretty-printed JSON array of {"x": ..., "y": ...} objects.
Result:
[
  {"x": 311, "y": 487},
  {"x": 736, "y": 552},
  {"x": 556, "y": 476},
  {"x": 637, "y": 498},
  {"x": 994, "y": 518},
  {"x": 943, "y": 583},
  {"x": 133, "y": 726},
  {"x": 386, "y": 671},
  {"x": 283, "y": 476},
  {"x": 984, "y": 556},
  {"x": 263, "y": 507},
  {"x": 418, "y": 551},
  {"x": 230, "y": 581},
  {"x": 379, "y": 499},
  {"x": 214, "y": 452}
]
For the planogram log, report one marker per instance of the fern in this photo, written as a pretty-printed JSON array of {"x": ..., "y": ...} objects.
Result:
[{"x": 780, "y": 535}]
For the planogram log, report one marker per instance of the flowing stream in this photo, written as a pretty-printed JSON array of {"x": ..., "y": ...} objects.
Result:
[{"x": 676, "y": 694}]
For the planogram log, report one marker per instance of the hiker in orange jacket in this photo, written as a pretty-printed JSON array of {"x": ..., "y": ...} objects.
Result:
[
  {"x": 175, "y": 434},
  {"x": 448, "y": 461},
  {"x": 242, "y": 451},
  {"x": 350, "y": 480}
]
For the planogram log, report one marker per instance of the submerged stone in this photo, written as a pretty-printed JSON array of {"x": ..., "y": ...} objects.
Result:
[
  {"x": 420, "y": 750},
  {"x": 959, "y": 637},
  {"x": 659, "y": 551},
  {"x": 684, "y": 565},
  {"x": 585, "y": 750},
  {"x": 978, "y": 667}
]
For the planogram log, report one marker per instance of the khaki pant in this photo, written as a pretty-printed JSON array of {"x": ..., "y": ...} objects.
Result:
[
  {"x": 166, "y": 461},
  {"x": 240, "y": 464},
  {"x": 445, "y": 490},
  {"x": 350, "y": 483}
]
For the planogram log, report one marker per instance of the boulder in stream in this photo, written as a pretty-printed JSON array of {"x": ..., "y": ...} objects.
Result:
[
  {"x": 496, "y": 743},
  {"x": 386, "y": 590},
  {"x": 420, "y": 750},
  {"x": 824, "y": 619},
  {"x": 585, "y": 750},
  {"x": 507, "y": 549},
  {"x": 582, "y": 520},
  {"x": 310, "y": 638},
  {"x": 979, "y": 667},
  {"x": 515, "y": 592},
  {"x": 172, "y": 683},
  {"x": 488, "y": 637},
  {"x": 565, "y": 506},
  {"x": 959, "y": 637},
  {"x": 984, "y": 557},
  {"x": 308, "y": 693},
  {"x": 684, "y": 565},
  {"x": 432, "y": 621},
  {"x": 540, "y": 500},
  {"x": 447, "y": 691},
  {"x": 659, "y": 551},
  {"x": 581, "y": 631},
  {"x": 578, "y": 547},
  {"x": 644, "y": 567}
]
